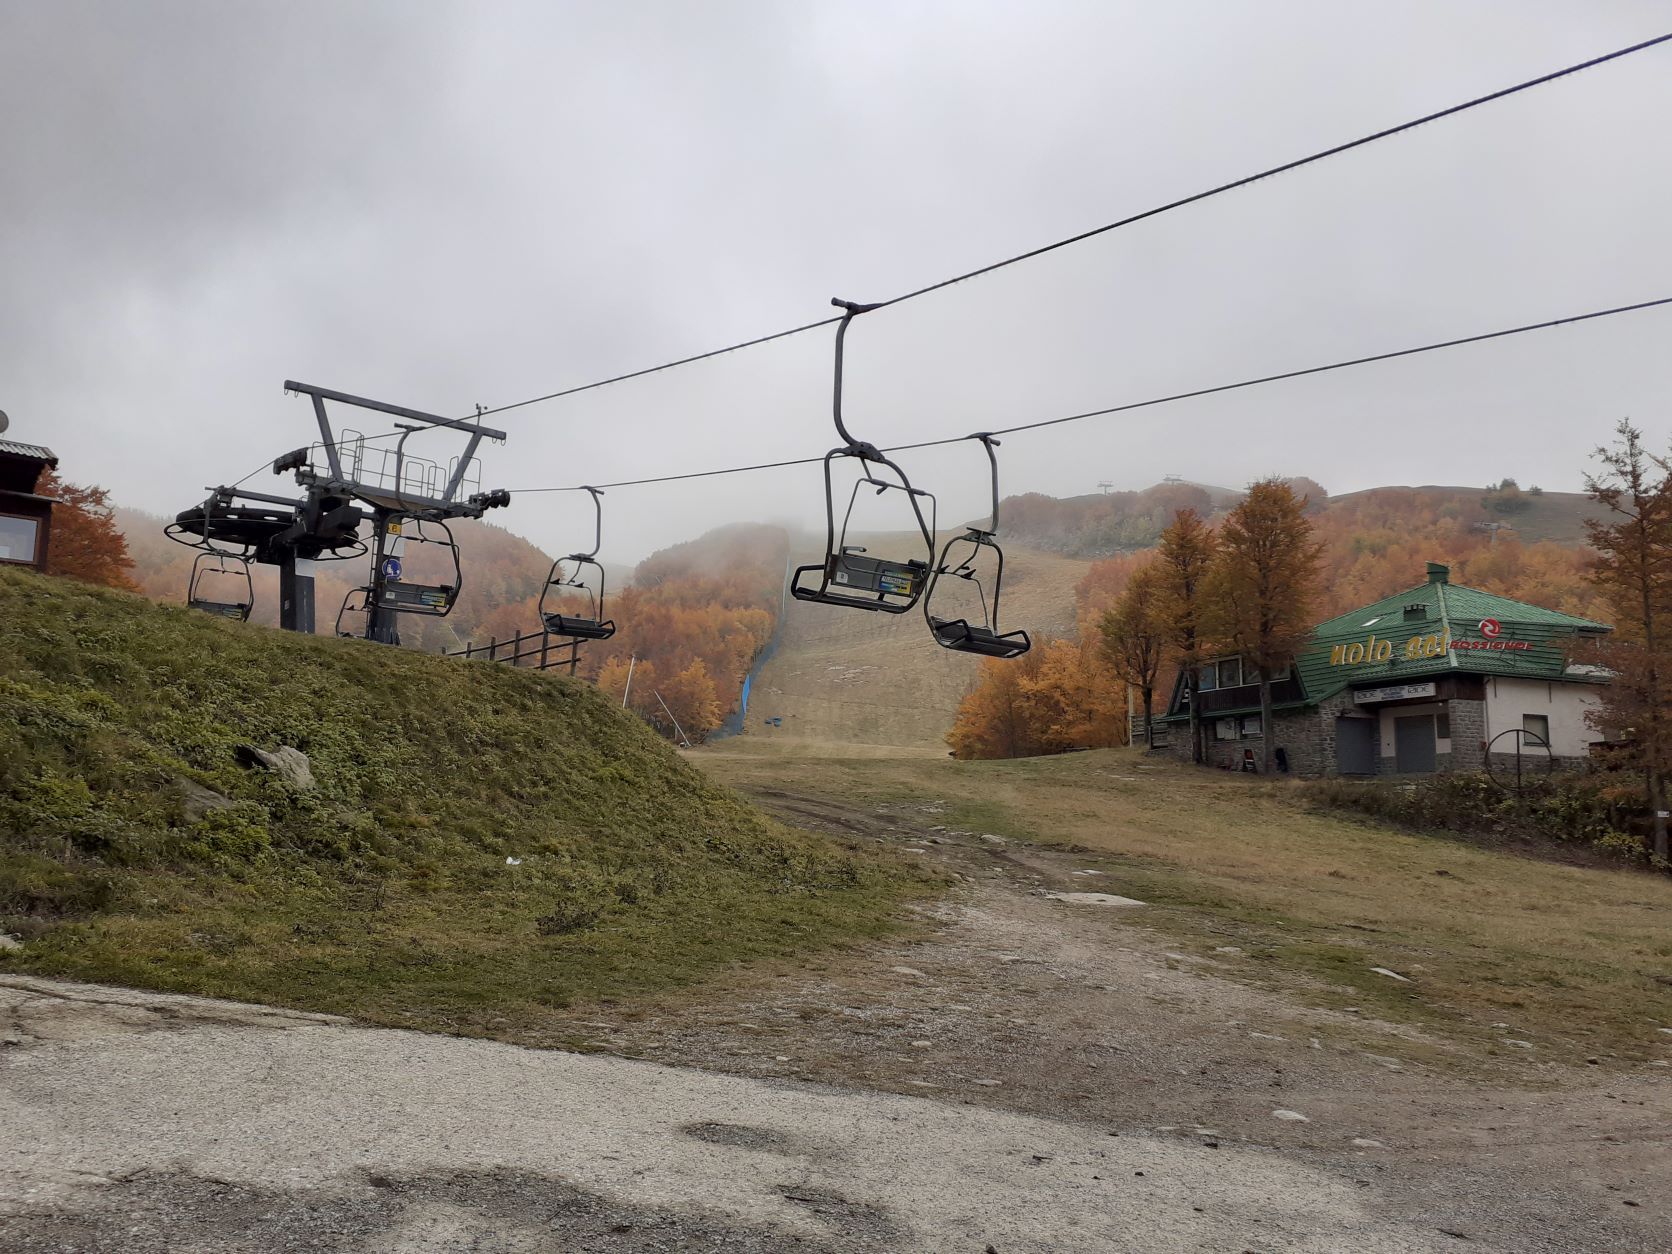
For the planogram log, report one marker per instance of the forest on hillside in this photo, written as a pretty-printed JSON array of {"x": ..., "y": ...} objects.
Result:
[
  {"x": 1371, "y": 544},
  {"x": 693, "y": 618}
]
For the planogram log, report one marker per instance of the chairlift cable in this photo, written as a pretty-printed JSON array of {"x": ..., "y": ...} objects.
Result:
[
  {"x": 1285, "y": 168},
  {"x": 1145, "y": 404}
]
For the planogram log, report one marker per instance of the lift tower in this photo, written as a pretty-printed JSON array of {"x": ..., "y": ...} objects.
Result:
[
  {"x": 410, "y": 498},
  {"x": 346, "y": 480}
]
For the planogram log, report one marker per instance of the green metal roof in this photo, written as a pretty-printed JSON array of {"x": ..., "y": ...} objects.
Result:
[
  {"x": 1394, "y": 643},
  {"x": 1399, "y": 643}
]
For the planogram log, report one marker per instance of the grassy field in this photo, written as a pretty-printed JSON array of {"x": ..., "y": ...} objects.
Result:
[
  {"x": 1576, "y": 960},
  {"x": 880, "y": 679},
  {"x": 482, "y": 844}
]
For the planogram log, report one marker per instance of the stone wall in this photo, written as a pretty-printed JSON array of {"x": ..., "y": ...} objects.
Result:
[
  {"x": 1468, "y": 730},
  {"x": 1307, "y": 737}
]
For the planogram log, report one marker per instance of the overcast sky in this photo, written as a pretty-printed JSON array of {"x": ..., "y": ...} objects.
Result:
[{"x": 449, "y": 204}]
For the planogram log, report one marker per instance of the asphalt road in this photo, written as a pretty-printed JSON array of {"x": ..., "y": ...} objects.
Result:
[{"x": 138, "y": 1122}]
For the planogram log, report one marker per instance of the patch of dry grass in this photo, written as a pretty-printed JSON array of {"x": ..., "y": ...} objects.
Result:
[{"x": 1577, "y": 960}]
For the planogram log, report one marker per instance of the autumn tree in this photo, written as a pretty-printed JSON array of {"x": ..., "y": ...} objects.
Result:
[
  {"x": 992, "y": 719},
  {"x": 1182, "y": 562},
  {"x": 1633, "y": 571},
  {"x": 693, "y": 701},
  {"x": 1134, "y": 636},
  {"x": 1058, "y": 696},
  {"x": 1072, "y": 701},
  {"x": 1262, "y": 585},
  {"x": 1314, "y": 498},
  {"x": 86, "y": 543}
]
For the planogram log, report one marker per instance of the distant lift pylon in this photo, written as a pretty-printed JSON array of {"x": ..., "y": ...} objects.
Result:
[{"x": 849, "y": 576}]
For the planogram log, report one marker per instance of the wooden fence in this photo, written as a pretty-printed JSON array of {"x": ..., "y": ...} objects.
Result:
[{"x": 533, "y": 649}]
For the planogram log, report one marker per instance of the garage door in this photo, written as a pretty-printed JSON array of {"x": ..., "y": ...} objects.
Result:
[
  {"x": 1413, "y": 744},
  {"x": 1355, "y": 746}
]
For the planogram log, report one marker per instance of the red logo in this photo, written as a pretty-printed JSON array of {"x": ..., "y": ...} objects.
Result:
[{"x": 1490, "y": 627}]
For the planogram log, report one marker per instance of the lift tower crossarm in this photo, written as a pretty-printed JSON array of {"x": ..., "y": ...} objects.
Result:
[{"x": 415, "y": 415}]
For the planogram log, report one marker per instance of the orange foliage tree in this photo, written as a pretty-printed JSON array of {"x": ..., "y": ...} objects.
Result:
[
  {"x": 1182, "y": 563},
  {"x": 695, "y": 617},
  {"x": 1058, "y": 696},
  {"x": 86, "y": 543},
  {"x": 1262, "y": 585},
  {"x": 1134, "y": 636}
]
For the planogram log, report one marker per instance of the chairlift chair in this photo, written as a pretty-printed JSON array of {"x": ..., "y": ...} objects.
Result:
[
  {"x": 849, "y": 576},
  {"x": 592, "y": 625},
  {"x": 221, "y": 585},
  {"x": 392, "y": 591},
  {"x": 348, "y": 607},
  {"x": 960, "y": 634}
]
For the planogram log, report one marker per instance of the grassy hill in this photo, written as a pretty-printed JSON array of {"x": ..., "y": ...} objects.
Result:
[
  {"x": 1555, "y": 516},
  {"x": 480, "y": 843},
  {"x": 878, "y": 679}
]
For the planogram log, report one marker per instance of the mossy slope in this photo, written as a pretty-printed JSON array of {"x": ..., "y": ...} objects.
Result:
[{"x": 388, "y": 890}]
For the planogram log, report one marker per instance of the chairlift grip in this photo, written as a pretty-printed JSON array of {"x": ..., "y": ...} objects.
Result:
[
  {"x": 597, "y": 523},
  {"x": 859, "y": 448},
  {"x": 989, "y": 443}
]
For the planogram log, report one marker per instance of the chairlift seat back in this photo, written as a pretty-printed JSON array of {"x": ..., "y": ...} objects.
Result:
[
  {"x": 223, "y": 609},
  {"x": 962, "y": 636},
  {"x": 862, "y": 582},
  {"x": 417, "y": 598},
  {"x": 881, "y": 575}
]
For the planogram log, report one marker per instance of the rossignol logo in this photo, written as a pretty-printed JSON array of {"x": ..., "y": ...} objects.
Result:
[{"x": 1490, "y": 627}]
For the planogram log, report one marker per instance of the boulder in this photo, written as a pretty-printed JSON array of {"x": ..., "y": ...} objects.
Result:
[
  {"x": 289, "y": 764},
  {"x": 198, "y": 800}
]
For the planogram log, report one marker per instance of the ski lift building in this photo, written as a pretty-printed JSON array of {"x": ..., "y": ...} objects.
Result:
[
  {"x": 1416, "y": 683},
  {"x": 25, "y": 514}
]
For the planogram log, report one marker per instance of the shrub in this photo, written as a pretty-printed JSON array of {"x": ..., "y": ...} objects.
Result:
[{"x": 1583, "y": 810}]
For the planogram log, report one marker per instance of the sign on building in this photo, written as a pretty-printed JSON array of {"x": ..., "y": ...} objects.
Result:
[{"x": 1394, "y": 692}]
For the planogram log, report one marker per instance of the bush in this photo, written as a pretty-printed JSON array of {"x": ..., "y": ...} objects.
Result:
[{"x": 1583, "y": 810}]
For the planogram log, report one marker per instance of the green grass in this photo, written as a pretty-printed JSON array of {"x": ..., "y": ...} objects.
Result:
[{"x": 384, "y": 892}]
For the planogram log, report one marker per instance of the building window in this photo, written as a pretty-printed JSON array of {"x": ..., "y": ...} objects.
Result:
[
  {"x": 1233, "y": 672},
  {"x": 1250, "y": 725},
  {"x": 1535, "y": 725},
  {"x": 1225, "y": 729},
  {"x": 17, "y": 539}
]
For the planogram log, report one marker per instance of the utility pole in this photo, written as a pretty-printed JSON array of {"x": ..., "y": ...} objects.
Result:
[{"x": 676, "y": 727}]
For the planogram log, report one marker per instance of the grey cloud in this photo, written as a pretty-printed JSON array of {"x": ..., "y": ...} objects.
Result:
[{"x": 444, "y": 204}]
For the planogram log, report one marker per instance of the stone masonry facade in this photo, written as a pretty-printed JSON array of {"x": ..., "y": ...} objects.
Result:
[{"x": 1307, "y": 738}]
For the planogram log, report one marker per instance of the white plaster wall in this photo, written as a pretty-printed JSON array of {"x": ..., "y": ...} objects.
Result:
[
  {"x": 1387, "y": 714},
  {"x": 1564, "y": 704}
]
